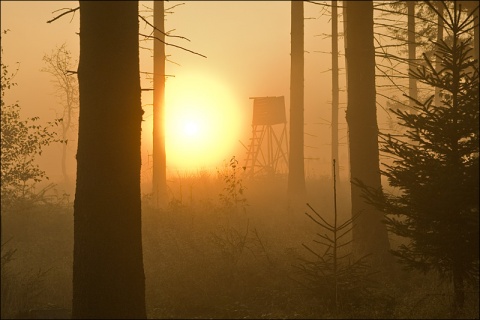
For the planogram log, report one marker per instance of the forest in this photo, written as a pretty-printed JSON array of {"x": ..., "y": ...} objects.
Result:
[{"x": 344, "y": 184}]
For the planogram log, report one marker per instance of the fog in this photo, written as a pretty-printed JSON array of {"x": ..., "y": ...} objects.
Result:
[
  {"x": 260, "y": 41},
  {"x": 232, "y": 233}
]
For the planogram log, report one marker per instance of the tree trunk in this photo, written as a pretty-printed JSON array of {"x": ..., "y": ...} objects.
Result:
[
  {"x": 159, "y": 154},
  {"x": 412, "y": 82},
  {"x": 296, "y": 172},
  {"x": 108, "y": 275},
  {"x": 475, "y": 35},
  {"x": 369, "y": 233},
  {"x": 66, "y": 179},
  {"x": 439, "y": 38},
  {"x": 335, "y": 91},
  {"x": 473, "y": 6}
]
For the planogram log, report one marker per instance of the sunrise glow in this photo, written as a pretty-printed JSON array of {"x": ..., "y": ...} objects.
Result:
[{"x": 202, "y": 122}]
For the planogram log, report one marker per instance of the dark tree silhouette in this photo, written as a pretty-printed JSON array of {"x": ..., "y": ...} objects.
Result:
[
  {"x": 435, "y": 167},
  {"x": 108, "y": 275},
  {"x": 159, "y": 153},
  {"x": 296, "y": 172},
  {"x": 369, "y": 233}
]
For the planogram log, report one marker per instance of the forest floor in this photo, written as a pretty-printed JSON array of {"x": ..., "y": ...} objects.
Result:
[{"x": 205, "y": 257}]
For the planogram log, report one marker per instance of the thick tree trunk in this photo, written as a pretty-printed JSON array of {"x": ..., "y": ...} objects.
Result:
[
  {"x": 159, "y": 154},
  {"x": 296, "y": 172},
  {"x": 369, "y": 233},
  {"x": 108, "y": 275}
]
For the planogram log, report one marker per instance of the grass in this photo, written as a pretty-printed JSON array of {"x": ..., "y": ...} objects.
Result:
[{"x": 207, "y": 259}]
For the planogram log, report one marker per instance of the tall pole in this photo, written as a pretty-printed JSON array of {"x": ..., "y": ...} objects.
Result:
[
  {"x": 159, "y": 155},
  {"x": 335, "y": 89}
]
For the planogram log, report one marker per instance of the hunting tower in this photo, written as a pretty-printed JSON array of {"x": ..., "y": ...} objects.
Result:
[{"x": 267, "y": 152}]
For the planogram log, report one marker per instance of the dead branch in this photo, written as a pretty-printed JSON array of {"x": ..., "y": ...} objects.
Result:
[
  {"x": 164, "y": 33},
  {"x": 322, "y": 4},
  {"x": 65, "y": 13},
  {"x": 173, "y": 45},
  {"x": 178, "y": 4}
]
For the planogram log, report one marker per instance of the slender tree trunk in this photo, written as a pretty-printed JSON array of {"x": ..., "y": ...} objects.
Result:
[
  {"x": 159, "y": 154},
  {"x": 412, "y": 82},
  {"x": 108, "y": 275},
  {"x": 439, "y": 38},
  {"x": 475, "y": 34},
  {"x": 66, "y": 179},
  {"x": 66, "y": 127},
  {"x": 335, "y": 91},
  {"x": 345, "y": 45},
  {"x": 473, "y": 6},
  {"x": 296, "y": 173},
  {"x": 369, "y": 233}
]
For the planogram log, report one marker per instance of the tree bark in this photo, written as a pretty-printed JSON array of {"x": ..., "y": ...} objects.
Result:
[
  {"x": 108, "y": 274},
  {"x": 159, "y": 154},
  {"x": 296, "y": 172},
  {"x": 369, "y": 233}
]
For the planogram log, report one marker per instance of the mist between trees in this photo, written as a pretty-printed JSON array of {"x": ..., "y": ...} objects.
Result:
[{"x": 391, "y": 231}]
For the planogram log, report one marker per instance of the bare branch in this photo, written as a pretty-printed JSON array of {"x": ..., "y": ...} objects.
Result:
[
  {"x": 173, "y": 45},
  {"x": 166, "y": 34},
  {"x": 322, "y": 4},
  {"x": 65, "y": 13},
  {"x": 174, "y": 6},
  {"x": 318, "y": 215}
]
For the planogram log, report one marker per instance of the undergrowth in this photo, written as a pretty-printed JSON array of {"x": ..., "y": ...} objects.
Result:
[{"x": 204, "y": 258}]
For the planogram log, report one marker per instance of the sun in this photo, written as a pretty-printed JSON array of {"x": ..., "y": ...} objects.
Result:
[
  {"x": 202, "y": 122},
  {"x": 191, "y": 128}
]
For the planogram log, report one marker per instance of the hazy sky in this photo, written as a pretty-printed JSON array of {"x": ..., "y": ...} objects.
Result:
[{"x": 247, "y": 44}]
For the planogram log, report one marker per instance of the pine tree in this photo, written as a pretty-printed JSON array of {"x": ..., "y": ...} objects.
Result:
[{"x": 435, "y": 166}]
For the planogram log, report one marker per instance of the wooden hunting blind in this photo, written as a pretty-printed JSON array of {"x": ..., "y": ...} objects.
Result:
[{"x": 268, "y": 111}]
